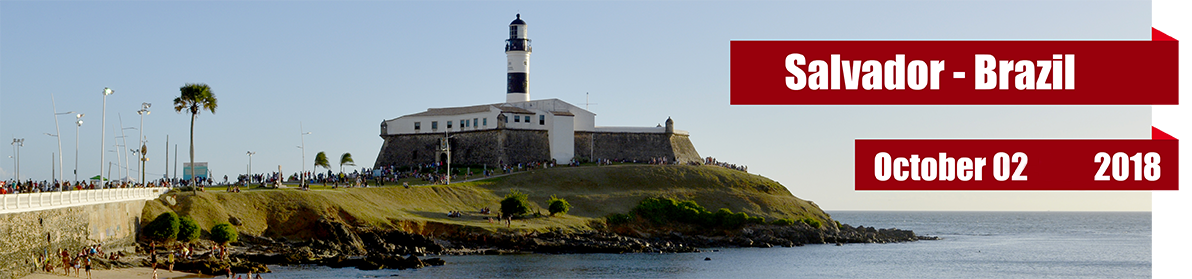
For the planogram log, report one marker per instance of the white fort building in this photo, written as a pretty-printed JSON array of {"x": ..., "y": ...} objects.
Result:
[{"x": 521, "y": 130}]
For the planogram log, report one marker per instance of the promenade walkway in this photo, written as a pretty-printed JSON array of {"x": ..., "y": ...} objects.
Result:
[{"x": 13, "y": 203}]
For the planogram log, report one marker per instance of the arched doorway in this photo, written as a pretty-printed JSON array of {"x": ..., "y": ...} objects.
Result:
[{"x": 443, "y": 158}]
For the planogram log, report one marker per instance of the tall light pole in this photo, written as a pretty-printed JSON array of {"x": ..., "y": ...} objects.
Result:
[
  {"x": 125, "y": 139},
  {"x": 144, "y": 111},
  {"x": 16, "y": 145},
  {"x": 302, "y": 175},
  {"x": 59, "y": 132},
  {"x": 52, "y": 157},
  {"x": 103, "y": 131},
  {"x": 447, "y": 148},
  {"x": 78, "y": 124},
  {"x": 248, "y": 176}
]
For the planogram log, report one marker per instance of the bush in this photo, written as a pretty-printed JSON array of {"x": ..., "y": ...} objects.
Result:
[
  {"x": 515, "y": 203},
  {"x": 617, "y": 218},
  {"x": 557, "y": 205},
  {"x": 811, "y": 222},
  {"x": 223, "y": 233},
  {"x": 188, "y": 230},
  {"x": 163, "y": 228},
  {"x": 783, "y": 222}
]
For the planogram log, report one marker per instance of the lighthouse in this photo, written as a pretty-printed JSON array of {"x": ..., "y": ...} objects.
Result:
[{"x": 517, "y": 52}]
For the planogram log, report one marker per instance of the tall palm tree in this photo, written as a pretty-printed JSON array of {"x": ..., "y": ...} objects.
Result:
[
  {"x": 196, "y": 97},
  {"x": 346, "y": 159},
  {"x": 321, "y": 161}
]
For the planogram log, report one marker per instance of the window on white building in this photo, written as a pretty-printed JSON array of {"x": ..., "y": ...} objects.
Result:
[
  {"x": 486, "y": 121},
  {"x": 541, "y": 119},
  {"x": 434, "y": 125},
  {"x": 417, "y": 126},
  {"x": 475, "y": 122},
  {"x": 517, "y": 118},
  {"x": 448, "y": 124}
]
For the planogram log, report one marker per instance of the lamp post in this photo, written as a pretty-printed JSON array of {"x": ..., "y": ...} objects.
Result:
[
  {"x": 144, "y": 111},
  {"x": 446, "y": 147},
  {"x": 249, "y": 174},
  {"x": 125, "y": 139},
  {"x": 58, "y": 131},
  {"x": 103, "y": 132},
  {"x": 302, "y": 175},
  {"x": 16, "y": 145},
  {"x": 78, "y": 123},
  {"x": 52, "y": 157}
]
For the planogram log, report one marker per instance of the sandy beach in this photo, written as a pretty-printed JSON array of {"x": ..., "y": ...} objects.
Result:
[{"x": 120, "y": 273}]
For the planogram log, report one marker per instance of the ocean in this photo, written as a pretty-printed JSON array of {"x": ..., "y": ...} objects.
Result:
[{"x": 974, "y": 245}]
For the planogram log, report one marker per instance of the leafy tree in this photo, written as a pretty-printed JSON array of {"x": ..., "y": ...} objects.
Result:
[
  {"x": 163, "y": 228},
  {"x": 223, "y": 233},
  {"x": 195, "y": 97},
  {"x": 321, "y": 161},
  {"x": 557, "y": 205},
  {"x": 515, "y": 203},
  {"x": 346, "y": 159},
  {"x": 188, "y": 230}
]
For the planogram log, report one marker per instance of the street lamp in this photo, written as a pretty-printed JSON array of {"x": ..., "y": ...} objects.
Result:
[
  {"x": 16, "y": 146},
  {"x": 249, "y": 175},
  {"x": 125, "y": 139},
  {"x": 52, "y": 159},
  {"x": 302, "y": 176},
  {"x": 78, "y": 123},
  {"x": 103, "y": 132},
  {"x": 144, "y": 111},
  {"x": 59, "y": 132},
  {"x": 446, "y": 147}
]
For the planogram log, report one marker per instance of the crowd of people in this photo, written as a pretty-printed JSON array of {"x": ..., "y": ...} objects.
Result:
[
  {"x": 79, "y": 262},
  {"x": 711, "y": 161},
  {"x": 29, "y": 186}
]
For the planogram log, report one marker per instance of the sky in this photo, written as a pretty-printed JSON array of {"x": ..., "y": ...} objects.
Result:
[{"x": 336, "y": 69}]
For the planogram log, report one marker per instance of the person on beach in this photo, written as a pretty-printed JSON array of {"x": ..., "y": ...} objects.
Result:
[
  {"x": 65, "y": 262},
  {"x": 87, "y": 264},
  {"x": 170, "y": 262},
  {"x": 153, "y": 259}
]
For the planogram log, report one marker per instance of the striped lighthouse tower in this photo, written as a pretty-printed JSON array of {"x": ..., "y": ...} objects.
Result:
[{"x": 517, "y": 51}]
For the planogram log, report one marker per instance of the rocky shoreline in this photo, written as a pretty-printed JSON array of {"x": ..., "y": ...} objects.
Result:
[{"x": 370, "y": 249}]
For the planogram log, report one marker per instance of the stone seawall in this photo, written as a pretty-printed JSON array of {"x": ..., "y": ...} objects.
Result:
[
  {"x": 635, "y": 146},
  {"x": 26, "y": 235}
]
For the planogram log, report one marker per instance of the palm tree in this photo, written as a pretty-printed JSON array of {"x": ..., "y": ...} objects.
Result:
[
  {"x": 346, "y": 159},
  {"x": 321, "y": 161},
  {"x": 195, "y": 98}
]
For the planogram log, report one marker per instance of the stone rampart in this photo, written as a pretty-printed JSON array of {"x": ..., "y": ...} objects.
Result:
[
  {"x": 480, "y": 147},
  {"x": 639, "y": 147}
]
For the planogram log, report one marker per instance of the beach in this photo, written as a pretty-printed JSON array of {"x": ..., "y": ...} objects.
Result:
[{"x": 120, "y": 273}]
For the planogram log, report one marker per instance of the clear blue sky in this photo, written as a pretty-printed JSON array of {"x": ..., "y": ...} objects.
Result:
[{"x": 340, "y": 68}]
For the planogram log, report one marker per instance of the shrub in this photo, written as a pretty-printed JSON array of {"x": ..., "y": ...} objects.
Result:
[
  {"x": 618, "y": 218},
  {"x": 783, "y": 222},
  {"x": 163, "y": 228},
  {"x": 223, "y": 233},
  {"x": 811, "y": 222},
  {"x": 557, "y": 205},
  {"x": 515, "y": 203},
  {"x": 188, "y": 230}
]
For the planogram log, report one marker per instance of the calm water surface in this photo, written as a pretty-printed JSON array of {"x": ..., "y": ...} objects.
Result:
[{"x": 975, "y": 245}]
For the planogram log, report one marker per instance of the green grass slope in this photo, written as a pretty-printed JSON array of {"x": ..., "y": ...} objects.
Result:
[{"x": 593, "y": 192}]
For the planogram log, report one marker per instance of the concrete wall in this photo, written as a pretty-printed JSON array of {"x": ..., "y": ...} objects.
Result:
[{"x": 26, "y": 235}]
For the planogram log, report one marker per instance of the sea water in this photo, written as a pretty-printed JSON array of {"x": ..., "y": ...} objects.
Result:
[{"x": 974, "y": 245}]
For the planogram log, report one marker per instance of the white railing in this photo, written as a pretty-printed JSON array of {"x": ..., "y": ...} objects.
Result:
[{"x": 12, "y": 203}]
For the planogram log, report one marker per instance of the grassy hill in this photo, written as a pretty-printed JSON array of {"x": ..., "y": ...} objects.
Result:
[{"x": 593, "y": 192}]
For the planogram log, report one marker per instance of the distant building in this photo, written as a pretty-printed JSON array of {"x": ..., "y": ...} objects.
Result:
[{"x": 521, "y": 130}]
